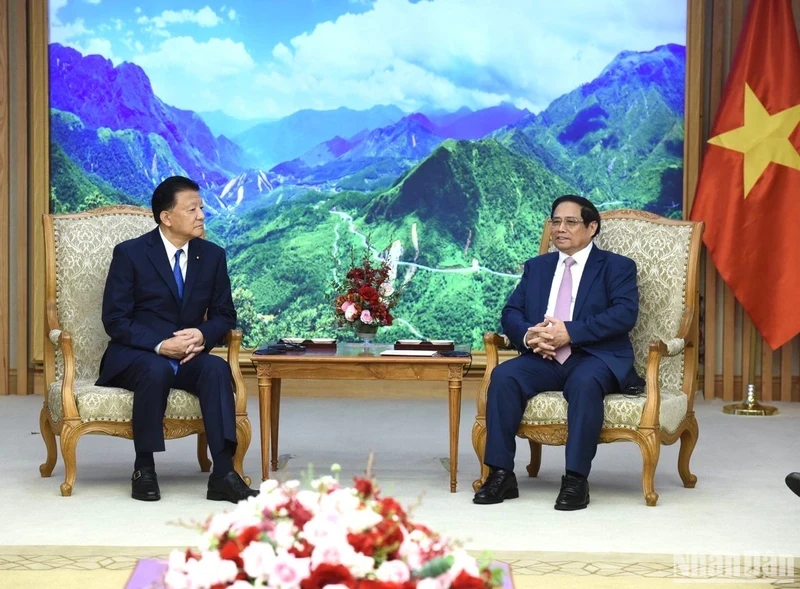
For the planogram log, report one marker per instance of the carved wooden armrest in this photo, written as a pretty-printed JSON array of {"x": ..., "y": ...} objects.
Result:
[
  {"x": 658, "y": 349},
  {"x": 234, "y": 341},
  {"x": 670, "y": 347},
  {"x": 62, "y": 340}
]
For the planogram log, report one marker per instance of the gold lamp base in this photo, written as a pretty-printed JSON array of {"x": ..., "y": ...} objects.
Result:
[
  {"x": 745, "y": 408},
  {"x": 750, "y": 406}
]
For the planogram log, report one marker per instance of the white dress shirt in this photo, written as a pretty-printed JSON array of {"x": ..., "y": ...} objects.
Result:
[
  {"x": 184, "y": 263},
  {"x": 580, "y": 258},
  {"x": 577, "y": 272}
]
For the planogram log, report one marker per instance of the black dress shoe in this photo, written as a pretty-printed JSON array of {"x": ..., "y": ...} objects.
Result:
[
  {"x": 501, "y": 484},
  {"x": 574, "y": 493},
  {"x": 231, "y": 488},
  {"x": 144, "y": 485},
  {"x": 793, "y": 482}
]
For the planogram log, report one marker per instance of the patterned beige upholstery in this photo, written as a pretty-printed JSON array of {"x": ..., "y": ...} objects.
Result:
[
  {"x": 661, "y": 253},
  {"x": 115, "y": 404}
]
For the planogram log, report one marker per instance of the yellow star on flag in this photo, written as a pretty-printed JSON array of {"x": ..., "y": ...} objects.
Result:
[{"x": 763, "y": 139}]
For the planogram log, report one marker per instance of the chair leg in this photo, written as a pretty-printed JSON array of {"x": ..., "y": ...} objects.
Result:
[
  {"x": 479, "y": 444},
  {"x": 202, "y": 453},
  {"x": 688, "y": 442},
  {"x": 536, "y": 458},
  {"x": 69, "y": 444},
  {"x": 46, "y": 430},
  {"x": 244, "y": 433},
  {"x": 650, "y": 445}
]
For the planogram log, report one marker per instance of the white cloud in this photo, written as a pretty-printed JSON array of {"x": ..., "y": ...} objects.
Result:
[
  {"x": 197, "y": 75},
  {"x": 205, "y": 17},
  {"x": 53, "y": 7},
  {"x": 93, "y": 1},
  {"x": 231, "y": 14},
  {"x": 450, "y": 53},
  {"x": 137, "y": 10}
]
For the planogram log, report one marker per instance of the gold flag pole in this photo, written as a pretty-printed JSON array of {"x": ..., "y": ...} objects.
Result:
[{"x": 750, "y": 406}]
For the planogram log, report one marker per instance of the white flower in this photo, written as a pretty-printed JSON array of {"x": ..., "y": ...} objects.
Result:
[
  {"x": 221, "y": 523},
  {"x": 336, "y": 467},
  {"x": 309, "y": 500},
  {"x": 284, "y": 534},
  {"x": 336, "y": 586},
  {"x": 361, "y": 564},
  {"x": 393, "y": 571},
  {"x": 361, "y": 519},
  {"x": 259, "y": 559},
  {"x": 339, "y": 551},
  {"x": 411, "y": 552},
  {"x": 429, "y": 584},
  {"x": 175, "y": 579},
  {"x": 340, "y": 500},
  {"x": 321, "y": 528},
  {"x": 210, "y": 570},
  {"x": 324, "y": 483},
  {"x": 289, "y": 571},
  {"x": 240, "y": 585},
  {"x": 269, "y": 502},
  {"x": 206, "y": 542},
  {"x": 268, "y": 486},
  {"x": 386, "y": 289},
  {"x": 177, "y": 559},
  {"x": 463, "y": 562}
]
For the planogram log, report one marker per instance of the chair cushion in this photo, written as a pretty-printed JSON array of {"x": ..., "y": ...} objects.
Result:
[
  {"x": 620, "y": 410},
  {"x": 115, "y": 404}
]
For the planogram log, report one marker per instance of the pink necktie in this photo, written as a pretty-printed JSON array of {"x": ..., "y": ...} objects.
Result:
[{"x": 563, "y": 303}]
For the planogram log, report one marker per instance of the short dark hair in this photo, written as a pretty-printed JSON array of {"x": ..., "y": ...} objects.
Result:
[
  {"x": 164, "y": 194},
  {"x": 589, "y": 212}
]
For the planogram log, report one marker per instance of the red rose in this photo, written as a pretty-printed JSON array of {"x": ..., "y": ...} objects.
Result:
[
  {"x": 230, "y": 551},
  {"x": 328, "y": 574},
  {"x": 363, "y": 543},
  {"x": 247, "y": 535},
  {"x": 388, "y": 506},
  {"x": 466, "y": 581},
  {"x": 299, "y": 514},
  {"x": 368, "y": 293},
  {"x": 364, "y": 486}
]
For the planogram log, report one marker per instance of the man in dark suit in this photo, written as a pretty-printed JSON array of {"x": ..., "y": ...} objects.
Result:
[
  {"x": 570, "y": 316},
  {"x": 167, "y": 303}
]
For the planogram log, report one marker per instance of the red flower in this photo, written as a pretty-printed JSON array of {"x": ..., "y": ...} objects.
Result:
[
  {"x": 230, "y": 551},
  {"x": 248, "y": 535},
  {"x": 304, "y": 551},
  {"x": 362, "y": 542},
  {"x": 368, "y": 293},
  {"x": 364, "y": 487},
  {"x": 328, "y": 574},
  {"x": 466, "y": 581},
  {"x": 388, "y": 506},
  {"x": 299, "y": 514}
]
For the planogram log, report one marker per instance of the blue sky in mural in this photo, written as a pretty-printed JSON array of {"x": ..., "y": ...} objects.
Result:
[{"x": 269, "y": 58}]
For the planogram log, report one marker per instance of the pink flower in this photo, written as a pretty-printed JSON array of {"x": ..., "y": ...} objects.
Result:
[
  {"x": 366, "y": 317},
  {"x": 393, "y": 571},
  {"x": 350, "y": 313},
  {"x": 289, "y": 571},
  {"x": 259, "y": 559},
  {"x": 346, "y": 305}
]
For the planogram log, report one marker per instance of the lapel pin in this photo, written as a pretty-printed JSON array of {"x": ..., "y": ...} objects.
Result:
[{"x": 198, "y": 257}]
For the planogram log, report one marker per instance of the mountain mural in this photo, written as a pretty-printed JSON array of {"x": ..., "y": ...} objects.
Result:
[
  {"x": 288, "y": 138},
  {"x": 120, "y": 99},
  {"x": 460, "y": 195}
]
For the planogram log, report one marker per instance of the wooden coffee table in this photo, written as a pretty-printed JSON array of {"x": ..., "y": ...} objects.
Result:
[{"x": 353, "y": 362}]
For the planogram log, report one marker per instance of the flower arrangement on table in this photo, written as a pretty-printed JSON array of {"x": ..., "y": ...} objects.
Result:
[
  {"x": 366, "y": 297},
  {"x": 330, "y": 536}
]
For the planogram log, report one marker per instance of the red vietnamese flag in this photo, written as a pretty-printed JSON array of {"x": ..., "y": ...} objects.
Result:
[{"x": 749, "y": 188}]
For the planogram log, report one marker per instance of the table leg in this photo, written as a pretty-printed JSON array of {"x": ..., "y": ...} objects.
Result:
[
  {"x": 455, "y": 422},
  {"x": 275, "y": 416},
  {"x": 264, "y": 406}
]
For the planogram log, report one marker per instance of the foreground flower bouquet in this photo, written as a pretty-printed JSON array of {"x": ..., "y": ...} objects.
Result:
[{"x": 330, "y": 536}]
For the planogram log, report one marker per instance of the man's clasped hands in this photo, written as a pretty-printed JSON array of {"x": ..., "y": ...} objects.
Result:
[
  {"x": 183, "y": 345},
  {"x": 546, "y": 337}
]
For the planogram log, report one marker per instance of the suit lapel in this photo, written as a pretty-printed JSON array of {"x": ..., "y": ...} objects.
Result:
[
  {"x": 158, "y": 256},
  {"x": 593, "y": 265},
  {"x": 550, "y": 261},
  {"x": 192, "y": 269}
]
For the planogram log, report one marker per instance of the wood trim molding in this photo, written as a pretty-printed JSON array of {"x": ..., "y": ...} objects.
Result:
[
  {"x": 5, "y": 204},
  {"x": 693, "y": 109},
  {"x": 18, "y": 35},
  {"x": 39, "y": 163},
  {"x": 739, "y": 385}
]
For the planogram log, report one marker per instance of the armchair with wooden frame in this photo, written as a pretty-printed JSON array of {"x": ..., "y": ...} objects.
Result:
[
  {"x": 78, "y": 250},
  {"x": 667, "y": 256}
]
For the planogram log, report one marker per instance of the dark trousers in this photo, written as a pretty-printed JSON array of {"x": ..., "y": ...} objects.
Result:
[
  {"x": 207, "y": 377},
  {"x": 584, "y": 379}
]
